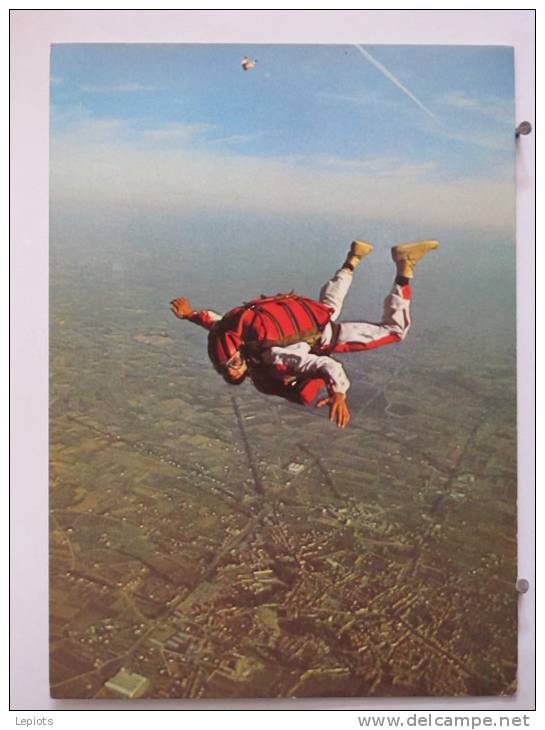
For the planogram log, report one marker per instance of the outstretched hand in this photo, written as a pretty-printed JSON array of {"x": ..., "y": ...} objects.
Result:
[
  {"x": 181, "y": 308},
  {"x": 338, "y": 409}
]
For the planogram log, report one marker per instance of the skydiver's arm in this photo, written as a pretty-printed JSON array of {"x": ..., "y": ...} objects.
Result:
[
  {"x": 338, "y": 408},
  {"x": 204, "y": 318},
  {"x": 299, "y": 360}
]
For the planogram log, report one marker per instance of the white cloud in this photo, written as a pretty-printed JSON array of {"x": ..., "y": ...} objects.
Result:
[
  {"x": 92, "y": 165},
  {"x": 128, "y": 88},
  {"x": 383, "y": 167},
  {"x": 478, "y": 122},
  {"x": 73, "y": 122},
  {"x": 363, "y": 98},
  {"x": 235, "y": 139},
  {"x": 175, "y": 131},
  {"x": 491, "y": 107}
]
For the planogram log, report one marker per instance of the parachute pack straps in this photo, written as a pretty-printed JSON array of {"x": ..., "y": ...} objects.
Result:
[{"x": 311, "y": 335}]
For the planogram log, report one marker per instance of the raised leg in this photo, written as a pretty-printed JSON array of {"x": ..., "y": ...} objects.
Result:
[
  {"x": 395, "y": 323},
  {"x": 335, "y": 290}
]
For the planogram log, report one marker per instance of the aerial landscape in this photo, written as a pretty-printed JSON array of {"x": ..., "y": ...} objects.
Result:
[
  {"x": 227, "y": 543},
  {"x": 209, "y": 541}
]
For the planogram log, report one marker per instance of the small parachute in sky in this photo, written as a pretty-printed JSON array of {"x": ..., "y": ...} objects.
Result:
[{"x": 248, "y": 63}]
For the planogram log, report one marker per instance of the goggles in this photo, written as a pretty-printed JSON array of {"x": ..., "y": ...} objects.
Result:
[{"x": 236, "y": 362}]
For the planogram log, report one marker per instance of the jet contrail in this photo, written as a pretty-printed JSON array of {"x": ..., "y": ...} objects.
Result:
[{"x": 395, "y": 81}]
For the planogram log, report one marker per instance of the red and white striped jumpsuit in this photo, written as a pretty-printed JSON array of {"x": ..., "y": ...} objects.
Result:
[{"x": 314, "y": 367}]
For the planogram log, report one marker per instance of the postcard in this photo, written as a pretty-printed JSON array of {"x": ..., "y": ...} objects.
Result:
[{"x": 282, "y": 357}]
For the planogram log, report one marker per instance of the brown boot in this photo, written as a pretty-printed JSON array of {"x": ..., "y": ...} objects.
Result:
[
  {"x": 406, "y": 255},
  {"x": 358, "y": 249}
]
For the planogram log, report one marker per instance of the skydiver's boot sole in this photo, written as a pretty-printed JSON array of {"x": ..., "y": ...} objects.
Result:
[
  {"x": 407, "y": 255},
  {"x": 358, "y": 249}
]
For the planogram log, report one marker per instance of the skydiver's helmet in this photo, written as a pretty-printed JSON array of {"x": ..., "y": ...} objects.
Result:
[{"x": 223, "y": 348}]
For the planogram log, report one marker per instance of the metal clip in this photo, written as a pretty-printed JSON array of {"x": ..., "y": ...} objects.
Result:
[
  {"x": 522, "y": 585},
  {"x": 523, "y": 128}
]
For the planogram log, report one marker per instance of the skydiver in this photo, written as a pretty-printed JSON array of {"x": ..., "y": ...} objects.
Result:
[
  {"x": 247, "y": 64},
  {"x": 283, "y": 343}
]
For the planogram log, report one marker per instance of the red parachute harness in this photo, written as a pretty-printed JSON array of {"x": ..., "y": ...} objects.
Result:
[{"x": 268, "y": 321}]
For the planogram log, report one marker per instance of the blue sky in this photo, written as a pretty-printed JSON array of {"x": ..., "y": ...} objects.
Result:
[{"x": 310, "y": 126}]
